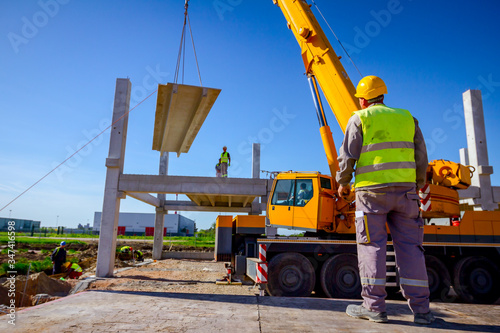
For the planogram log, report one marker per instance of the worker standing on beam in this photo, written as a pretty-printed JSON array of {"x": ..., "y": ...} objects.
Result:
[
  {"x": 385, "y": 148},
  {"x": 225, "y": 161}
]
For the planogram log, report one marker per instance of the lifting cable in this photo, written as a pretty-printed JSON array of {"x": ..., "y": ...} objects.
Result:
[
  {"x": 76, "y": 152},
  {"x": 181, "y": 56},
  {"x": 338, "y": 40}
]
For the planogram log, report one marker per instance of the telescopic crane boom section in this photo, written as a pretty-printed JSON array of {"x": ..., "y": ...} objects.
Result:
[{"x": 320, "y": 59}]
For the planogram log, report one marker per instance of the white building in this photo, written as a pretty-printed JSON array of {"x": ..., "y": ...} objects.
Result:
[{"x": 143, "y": 224}]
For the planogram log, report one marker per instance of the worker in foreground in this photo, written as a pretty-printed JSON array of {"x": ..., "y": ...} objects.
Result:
[
  {"x": 58, "y": 258},
  {"x": 385, "y": 148},
  {"x": 72, "y": 270},
  {"x": 224, "y": 161}
]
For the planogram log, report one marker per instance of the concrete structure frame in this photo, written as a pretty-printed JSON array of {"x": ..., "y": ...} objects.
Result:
[
  {"x": 211, "y": 194},
  {"x": 481, "y": 195}
]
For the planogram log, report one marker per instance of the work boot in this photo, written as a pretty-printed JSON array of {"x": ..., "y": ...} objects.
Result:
[
  {"x": 423, "y": 318},
  {"x": 360, "y": 312}
]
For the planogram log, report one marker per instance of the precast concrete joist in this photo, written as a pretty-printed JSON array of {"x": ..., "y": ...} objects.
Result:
[
  {"x": 246, "y": 187},
  {"x": 180, "y": 113},
  {"x": 193, "y": 207}
]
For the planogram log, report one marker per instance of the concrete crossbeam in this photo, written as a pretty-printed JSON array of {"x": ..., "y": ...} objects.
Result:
[
  {"x": 193, "y": 207},
  {"x": 194, "y": 185},
  {"x": 146, "y": 198}
]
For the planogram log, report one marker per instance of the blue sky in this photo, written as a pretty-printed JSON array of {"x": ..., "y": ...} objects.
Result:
[{"x": 60, "y": 60}]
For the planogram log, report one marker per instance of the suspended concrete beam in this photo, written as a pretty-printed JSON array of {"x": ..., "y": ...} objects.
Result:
[{"x": 180, "y": 113}]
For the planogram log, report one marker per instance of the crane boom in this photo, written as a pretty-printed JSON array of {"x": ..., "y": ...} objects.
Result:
[{"x": 320, "y": 59}]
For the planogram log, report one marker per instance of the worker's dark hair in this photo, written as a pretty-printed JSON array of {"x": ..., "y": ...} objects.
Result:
[
  {"x": 303, "y": 185},
  {"x": 376, "y": 99}
]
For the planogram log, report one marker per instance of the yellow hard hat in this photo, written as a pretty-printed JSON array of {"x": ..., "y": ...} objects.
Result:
[
  {"x": 66, "y": 265},
  {"x": 370, "y": 86}
]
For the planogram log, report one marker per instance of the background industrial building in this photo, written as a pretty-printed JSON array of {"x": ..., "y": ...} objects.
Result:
[
  {"x": 143, "y": 224},
  {"x": 20, "y": 226}
]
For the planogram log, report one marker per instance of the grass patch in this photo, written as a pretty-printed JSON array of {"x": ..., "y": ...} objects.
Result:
[
  {"x": 22, "y": 266},
  {"x": 27, "y": 240}
]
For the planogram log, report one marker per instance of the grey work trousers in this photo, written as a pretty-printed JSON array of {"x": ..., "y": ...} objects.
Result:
[
  {"x": 223, "y": 169},
  {"x": 399, "y": 207}
]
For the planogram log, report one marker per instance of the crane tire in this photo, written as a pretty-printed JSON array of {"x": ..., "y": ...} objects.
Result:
[
  {"x": 340, "y": 277},
  {"x": 476, "y": 280},
  {"x": 439, "y": 279},
  {"x": 290, "y": 274}
]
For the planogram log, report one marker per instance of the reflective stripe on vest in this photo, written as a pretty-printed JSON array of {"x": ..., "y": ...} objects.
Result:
[
  {"x": 224, "y": 157},
  {"x": 388, "y": 152},
  {"x": 77, "y": 268}
]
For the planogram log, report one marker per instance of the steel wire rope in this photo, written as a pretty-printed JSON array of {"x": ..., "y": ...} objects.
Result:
[
  {"x": 338, "y": 40},
  {"x": 181, "y": 55},
  {"x": 76, "y": 152}
]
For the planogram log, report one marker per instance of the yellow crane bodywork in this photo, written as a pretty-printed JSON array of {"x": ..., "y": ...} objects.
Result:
[{"x": 320, "y": 59}]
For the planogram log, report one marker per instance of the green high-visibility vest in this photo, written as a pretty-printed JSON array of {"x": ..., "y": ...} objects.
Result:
[
  {"x": 125, "y": 249},
  {"x": 224, "y": 157},
  {"x": 388, "y": 152},
  {"x": 77, "y": 268}
]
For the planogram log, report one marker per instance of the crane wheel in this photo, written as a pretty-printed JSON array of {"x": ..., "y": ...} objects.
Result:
[
  {"x": 340, "y": 277},
  {"x": 476, "y": 280},
  {"x": 439, "y": 279},
  {"x": 290, "y": 274}
]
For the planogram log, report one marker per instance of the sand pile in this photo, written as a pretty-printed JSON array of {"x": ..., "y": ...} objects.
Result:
[{"x": 38, "y": 283}]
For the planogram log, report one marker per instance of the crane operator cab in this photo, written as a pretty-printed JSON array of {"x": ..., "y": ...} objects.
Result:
[{"x": 297, "y": 199}]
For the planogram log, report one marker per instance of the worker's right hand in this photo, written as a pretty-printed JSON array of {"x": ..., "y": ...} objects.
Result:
[{"x": 344, "y": 190}]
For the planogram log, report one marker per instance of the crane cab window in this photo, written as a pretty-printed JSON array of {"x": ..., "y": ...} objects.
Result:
[
  {"x": 304, "y": 192},
  {"x": 325, "y": 183},
  {"x": 283, "y": 192}
]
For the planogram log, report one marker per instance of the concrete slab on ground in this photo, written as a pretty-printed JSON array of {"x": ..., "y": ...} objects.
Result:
[{"x": 127, "y": 311}]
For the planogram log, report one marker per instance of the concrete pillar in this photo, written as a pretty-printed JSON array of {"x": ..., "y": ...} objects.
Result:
[
  {"x": 477, "y": 149},
  {"x": 256, "y": 160},
  {"x": 464, "y": 156},
  {"x": 256, "y": 174},
  {"x": 160, "y": 213},
  {"x": 114, "y": 164}
]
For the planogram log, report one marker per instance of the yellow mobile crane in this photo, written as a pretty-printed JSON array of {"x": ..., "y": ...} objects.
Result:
[{"x": 464, "y": 255}]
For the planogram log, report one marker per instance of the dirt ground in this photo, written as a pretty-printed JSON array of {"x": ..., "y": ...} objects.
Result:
[
  {"x": 174, "y": 275},
  {"x": 89, "y": 251}
]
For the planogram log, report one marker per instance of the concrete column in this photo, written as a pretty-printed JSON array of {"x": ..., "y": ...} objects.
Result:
[
  {"x": 256, "y": 160},
  {"x": 256, "y": 174},
  {"x": 114, "y": 164},
  {"x": 160, "y": 213},
  {"x": 477, "y": 149},
  {"x": 464, "y": 156}
]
